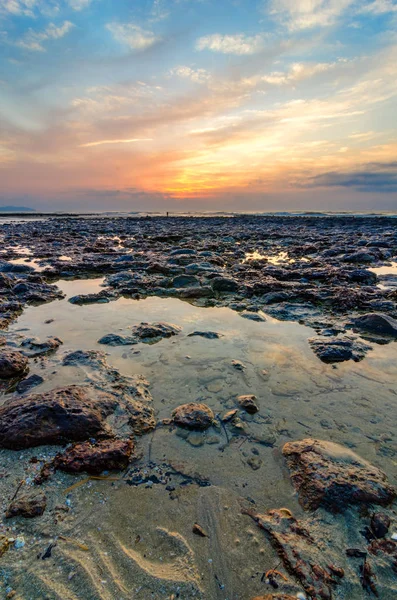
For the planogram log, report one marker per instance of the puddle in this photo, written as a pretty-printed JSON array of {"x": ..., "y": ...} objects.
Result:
[
  {"x": 353, "y": 404},
  {"x": 275, "y": 259},
  {"x": 387, "y": 276}
]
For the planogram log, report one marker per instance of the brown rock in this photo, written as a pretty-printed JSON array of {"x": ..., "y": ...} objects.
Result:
[
  {"x": 141, "y": 419},
  {"x": 380, "y": 524},
  {"x": 193, "y": 416},
  {"x": 27, "y": 506},
  {"x": 12, "y": 364},
  {"x": 329, "y": 475},
  {"x": 105, "y": 455},
  {"x": 248, "y": 403},
  {"x": 301, "y": 555},
  {"x": 72, "y": 413}
]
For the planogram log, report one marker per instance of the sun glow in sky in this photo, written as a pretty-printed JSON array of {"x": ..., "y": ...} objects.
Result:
[{"x": 198, "y": 104}]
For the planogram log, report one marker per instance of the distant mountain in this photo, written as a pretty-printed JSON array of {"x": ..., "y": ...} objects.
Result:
[{"x": 16, "y": 209}]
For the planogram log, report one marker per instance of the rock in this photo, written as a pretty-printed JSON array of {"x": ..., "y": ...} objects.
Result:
[
  {"x": 93, "y": 458},
  {"x": 27, "y": 384},
  {"x": 141, "y": 417},
  {"x": 248, "y": 403},
  {"x": 299, "y": 552},
  {"x": 37, "y": 348},
  {"x": 275, "y": 597},
  {"x": 112, "y": 339},
  {"x": 335, "y": 349},
  {"x": 210, "y": 335},
  {"x": 90, "y": 358},
  {"x": 193, "y": 416},
  {"x": 185, "y": 281},
  {"x": 12, "y": 363},
  {"x": 255, "y": 462},
  {"x": 222, "y": 284},
  {"x": 328, "y": 475},
  {"x": 145, "y": 332},
  {"x": 28, "y": 506},
  {"x": 377, "y": 323},
  {"x": 73, "y": 413},
  {"x": 237, "y": 364},
  {"x": 149, "y": 332},
  {"x": 99, "y": 298},
  {"x": 252, "y": 316},
  {"x": 380, "y": 523}
]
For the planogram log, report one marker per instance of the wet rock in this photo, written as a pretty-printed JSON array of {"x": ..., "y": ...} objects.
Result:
[
  {"x": 377, "y": 323},
  {"x": 35, "y": 347},
  {"x": 185, "y": 281},
  {"x": 27, "y": 384},
  {"x": 223, "y": 284},
  {"x": 147, "y": 333},
  {"x": 248, "y": 403},
  {"x": 73, "y": 413},
  {"x": 299, "y": 552},
  {"x": 99, "y": 298},
  {"x": 113, "y": 339},
  {"x": 193, "y": 416},
  {"x": 209, "y": 335},
  {"x": 91, "y": 358},
  {"x": 380, "y": 523},
  {"x": 28, "y": 506},
  {"x": 12, "y": 363},
  {"x": 255, "y": 462},
  {"x": 252, "y": 316},
  {"x": 275, "y": 597},
  {"x": 93, "y": 458},
  {"x": 336, "y": 349},
  {"x": 328, "y": 475},
  {"x": 150, "y": 332},
  {"x": 141, "y": 417},
  {"x": 237, "y": 364}
]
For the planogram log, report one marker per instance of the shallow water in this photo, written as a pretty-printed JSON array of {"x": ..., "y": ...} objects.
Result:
[{"x": 354, "y": 404}]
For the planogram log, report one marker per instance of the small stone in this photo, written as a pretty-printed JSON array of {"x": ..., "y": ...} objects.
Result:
[
  {"x": 197, "y": 530},
  {"x": 27, "y": 506},
  {"x": 380, "y": 524},
  {"x": 193, "y": 416},
  {"x": 195, "y": 439},
  {"x": 255, "y": 463},
  {"x": 237, "y": 364},
  {"x": 248, "y": 403}
]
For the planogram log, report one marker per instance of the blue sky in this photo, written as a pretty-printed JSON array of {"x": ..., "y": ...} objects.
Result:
[{"x": 198, "y": 104}]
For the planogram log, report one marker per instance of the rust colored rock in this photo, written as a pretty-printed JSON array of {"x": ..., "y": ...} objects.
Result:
[
  {"x": 193, "y": 416},
  {"x": 141, "y": 419},
  {"x": 12, "y": 364},
  {"x": 105, "y": 455},
  {"x": 27, "y": 506},
  {"x": 380, "y": 524},
  {"x": 302, "y": 557},
  {"x": 248, "y": 403},
  {"x": 67, "y": 414},
  {"x": 329, "y": 475}
]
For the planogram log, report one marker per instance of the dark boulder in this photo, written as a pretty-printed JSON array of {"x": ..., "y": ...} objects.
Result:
[
  {"x": 93, "y": 458},
  {"x": 193, "y": 416},
  {"x": 12, "y": 363},
  {"x": 73, "y": 413},
  {"x": 328, "y": 475}
]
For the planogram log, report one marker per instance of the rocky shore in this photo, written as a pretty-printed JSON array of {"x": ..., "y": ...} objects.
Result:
[{"x": 116, "y": 402}]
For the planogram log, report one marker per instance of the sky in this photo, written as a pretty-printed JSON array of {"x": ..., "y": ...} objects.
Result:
[{"x": 256, "y": 105}]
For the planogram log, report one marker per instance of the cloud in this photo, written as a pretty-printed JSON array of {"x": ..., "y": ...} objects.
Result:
[
  {"x": 133, "y": 36},
  {"x": 33, "y": 40},
  {"x": 102, "y": 142},
  {"x": 18, "y": 7},
  {"x": 79, "y": 4},
  {"x": 379, "y": 7},
  {"x": 374, "y": 177},
  {"x": 308, "y": 14},
  {"x": 195, "y": 75},
  {"x": 238, "y": 44}
]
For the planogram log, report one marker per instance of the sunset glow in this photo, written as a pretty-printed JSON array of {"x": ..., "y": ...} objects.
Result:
[{"x": 189, "y": 104}]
